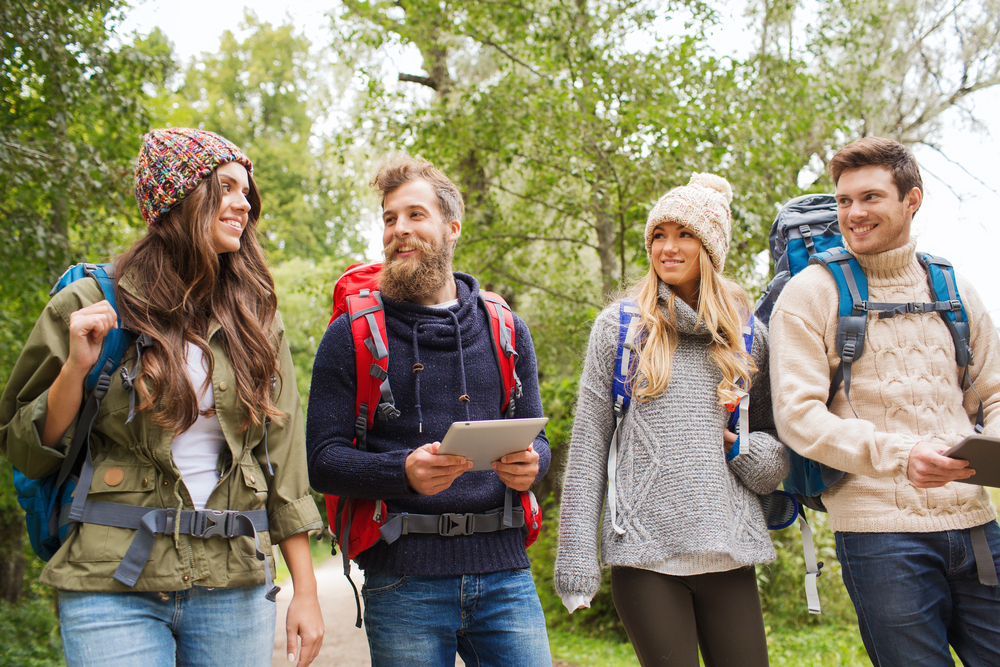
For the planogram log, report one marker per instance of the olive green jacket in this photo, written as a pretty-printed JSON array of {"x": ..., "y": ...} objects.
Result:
[{"x": 133, "y": 465}]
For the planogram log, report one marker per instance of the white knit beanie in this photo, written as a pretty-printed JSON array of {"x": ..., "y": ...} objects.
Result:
[{"x": 703, "y": 207}]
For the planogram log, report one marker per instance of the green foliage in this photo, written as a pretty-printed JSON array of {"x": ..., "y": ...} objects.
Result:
[
  {"x": 29, "y": 634},
  {"x": 782, "y": 593},
  {"x": 265, "y": 94},
  {"x": 305, "y": 289},
  {"x": 600, "y": 620},
  {"x": 564, "y": 123}
]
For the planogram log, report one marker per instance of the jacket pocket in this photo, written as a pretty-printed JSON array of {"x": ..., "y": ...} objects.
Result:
[{"x": 125, "y": 483}]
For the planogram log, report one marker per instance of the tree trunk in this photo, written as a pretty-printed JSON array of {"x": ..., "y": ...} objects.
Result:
[{"x": 11, "y": 554}]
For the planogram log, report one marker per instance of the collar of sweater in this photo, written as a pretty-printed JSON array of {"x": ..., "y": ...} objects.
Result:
[
  {"x": 436, "y": 327},
  {"x": 685, "y": 318},
  {"x": 892, "y": 267}
]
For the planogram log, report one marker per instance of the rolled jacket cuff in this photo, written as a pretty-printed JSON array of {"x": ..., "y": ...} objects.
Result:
[{"x": 295, "y": 517}]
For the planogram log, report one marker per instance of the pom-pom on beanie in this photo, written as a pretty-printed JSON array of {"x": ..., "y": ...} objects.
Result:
[
  {"x": 173, "y": 161},
  {"x": 703, "y": 207}
]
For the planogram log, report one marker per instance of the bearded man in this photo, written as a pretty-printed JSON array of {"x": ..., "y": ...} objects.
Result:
[{"x": 430, "y": 595}]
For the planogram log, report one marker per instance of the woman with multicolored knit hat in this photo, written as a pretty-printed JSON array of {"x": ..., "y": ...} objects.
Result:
[
  {"x": 196, "y": 456},
  {"x": 683, "y": 526}
]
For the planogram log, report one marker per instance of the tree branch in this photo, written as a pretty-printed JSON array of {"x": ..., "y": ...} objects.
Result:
[
  {"x": 521, "y": 281},
  {"x": 532, "y": 237},
  {"x": 416, "y": 78}
]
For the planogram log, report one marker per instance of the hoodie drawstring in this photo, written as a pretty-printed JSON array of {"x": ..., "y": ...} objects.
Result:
[{"x": 464, "y": 398}]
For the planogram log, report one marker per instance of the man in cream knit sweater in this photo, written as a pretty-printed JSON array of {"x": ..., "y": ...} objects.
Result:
[{"x": 905, "y": 523}]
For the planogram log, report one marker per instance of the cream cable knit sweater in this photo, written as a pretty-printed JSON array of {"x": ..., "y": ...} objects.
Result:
[
  {"x": 905, "y": 388},
  {"x": 682, "y": 506}
]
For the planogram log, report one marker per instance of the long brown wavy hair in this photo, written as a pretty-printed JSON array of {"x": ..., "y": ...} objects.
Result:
[{"x": 178, "y": 284}]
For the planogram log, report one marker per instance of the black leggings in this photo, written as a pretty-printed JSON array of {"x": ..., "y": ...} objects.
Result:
[{"x": 668, "y": 618}]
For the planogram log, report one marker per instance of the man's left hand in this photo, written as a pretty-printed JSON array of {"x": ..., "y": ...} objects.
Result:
[{"x": 518, "y": 470}]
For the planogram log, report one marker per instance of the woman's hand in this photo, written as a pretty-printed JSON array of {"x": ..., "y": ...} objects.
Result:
[
  {"x": 728, "y": 440},
  {"x": 87, "y": 329},
  {"x": 518, "y": 470},
  {"x": 304, "y": 618}
]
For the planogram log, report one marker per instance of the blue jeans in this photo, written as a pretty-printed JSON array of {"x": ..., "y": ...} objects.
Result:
[
  {"x": 489, "y": 619},
  {"x": 915, "y": 593},
  {"x": 193, "y": 628}
]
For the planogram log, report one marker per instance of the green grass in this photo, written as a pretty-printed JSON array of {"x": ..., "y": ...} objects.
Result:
[
  {"x": 833, "y": 646},
  {"x": 575, "y": 649}
]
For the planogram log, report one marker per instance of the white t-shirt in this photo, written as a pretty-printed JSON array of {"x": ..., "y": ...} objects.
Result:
[{"x": 196, "y": 451}]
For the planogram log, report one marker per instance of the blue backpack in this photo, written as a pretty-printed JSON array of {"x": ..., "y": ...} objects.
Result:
[
  {"x": 47, "y": 501},
  {"x": 806, "y": 232},
  {"x": 53, "y": 509}
]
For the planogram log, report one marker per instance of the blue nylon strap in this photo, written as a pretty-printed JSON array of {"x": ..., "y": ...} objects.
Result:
[
  {"x": 620, "y": 389},
  {"x": 852, "y": 284}
]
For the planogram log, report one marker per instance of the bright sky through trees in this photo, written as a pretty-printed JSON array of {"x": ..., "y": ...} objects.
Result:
[{"x": 959, "y": 219}]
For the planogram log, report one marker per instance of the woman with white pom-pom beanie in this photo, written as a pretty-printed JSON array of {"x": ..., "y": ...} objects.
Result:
[{"x": 683, "y": 526}]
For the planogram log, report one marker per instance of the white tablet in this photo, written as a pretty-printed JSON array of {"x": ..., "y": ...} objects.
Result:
[{"x": 484, "y": 442}]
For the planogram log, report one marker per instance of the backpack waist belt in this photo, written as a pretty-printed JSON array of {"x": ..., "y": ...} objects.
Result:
[
  {"x": 152, "y": 521},
  {"x": 449, "y": 524}
]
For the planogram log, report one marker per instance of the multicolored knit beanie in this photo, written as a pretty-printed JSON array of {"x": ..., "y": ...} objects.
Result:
[
  {"x": 173, "y": 161},
  {"x": 703, "y": 207}
]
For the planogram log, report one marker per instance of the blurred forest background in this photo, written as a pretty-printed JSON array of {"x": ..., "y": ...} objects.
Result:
[{"x": 562, "y": 121}]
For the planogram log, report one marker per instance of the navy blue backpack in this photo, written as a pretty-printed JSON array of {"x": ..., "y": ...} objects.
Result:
[
  {"x": 47, "y": 501},
  {"x": 806, "y": 232}
]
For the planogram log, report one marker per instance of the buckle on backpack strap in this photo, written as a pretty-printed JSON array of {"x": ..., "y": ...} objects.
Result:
[
  {"x": 450, "y": 525},
  {"x": 212, "y": 523}
]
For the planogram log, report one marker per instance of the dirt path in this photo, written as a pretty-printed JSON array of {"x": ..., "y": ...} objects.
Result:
[{"x": 344, "y": 645}]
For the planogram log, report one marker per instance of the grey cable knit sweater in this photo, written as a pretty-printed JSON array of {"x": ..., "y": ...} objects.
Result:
[{"x": 684, "y": 509}]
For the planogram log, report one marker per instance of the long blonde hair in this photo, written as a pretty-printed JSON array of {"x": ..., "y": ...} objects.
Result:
[{"x": 722, "y": 306}]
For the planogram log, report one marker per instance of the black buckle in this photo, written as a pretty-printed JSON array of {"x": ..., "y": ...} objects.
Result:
[
  {"x": 450, "y": 525},
  {"x": 212, "y": 523},
  {"x": 956, "y": 305}
]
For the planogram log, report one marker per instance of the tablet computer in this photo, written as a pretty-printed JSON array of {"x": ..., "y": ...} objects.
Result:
[
  {"x": 484, "y": 442},
  {"x": 983, "y": 454}
]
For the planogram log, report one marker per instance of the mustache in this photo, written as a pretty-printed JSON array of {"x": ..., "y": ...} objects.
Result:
[{"x": 411, "y": 242}]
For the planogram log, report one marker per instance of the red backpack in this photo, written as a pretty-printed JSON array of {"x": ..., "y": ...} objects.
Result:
[{"x": 356, "y": 523}]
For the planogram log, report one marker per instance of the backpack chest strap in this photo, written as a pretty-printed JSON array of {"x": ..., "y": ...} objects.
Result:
[{"x": 449, "y": 524}]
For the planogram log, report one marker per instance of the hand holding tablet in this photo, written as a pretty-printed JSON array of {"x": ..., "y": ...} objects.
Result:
[
  {"x": 484, "y": 442},
  {"x": 983, "y": 454}
]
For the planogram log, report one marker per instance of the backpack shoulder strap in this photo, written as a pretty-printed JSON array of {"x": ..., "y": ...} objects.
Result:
[
  {"x": 948, "y": 302},
  {"x": 503, "y": 339},
  {"x": 944, "y": 289},
  {"x": 852, "y": 285},
  {"x": 630, "y": 334},
  {"x": 371, "y": 356}
]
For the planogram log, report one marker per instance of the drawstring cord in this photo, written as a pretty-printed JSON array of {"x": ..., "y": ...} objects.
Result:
[
  {"x": 417, "y": 367},
  {"x": 464, "y": 398}
]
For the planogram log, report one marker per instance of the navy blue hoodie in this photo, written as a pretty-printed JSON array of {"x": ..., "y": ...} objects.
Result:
[{"x": 455, "y": 349}]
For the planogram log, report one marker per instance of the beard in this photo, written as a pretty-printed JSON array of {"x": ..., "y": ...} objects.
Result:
[{"x": 419, "y": 277}]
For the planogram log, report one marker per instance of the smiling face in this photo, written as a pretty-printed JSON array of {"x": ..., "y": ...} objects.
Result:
[
  {"x": 233, "y": 213},
  {"x": 418, "y": 244},
  {"x": 872, "y": 218},
  {"x": 676, "y": 257}
]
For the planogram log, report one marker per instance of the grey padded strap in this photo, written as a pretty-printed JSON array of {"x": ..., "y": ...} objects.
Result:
[
  {"x": 812, "y": 566},
  {"x": 985, "y": 564},
  {"x": 152, "y": 521},
  {"x": 449, "y": 524}
]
